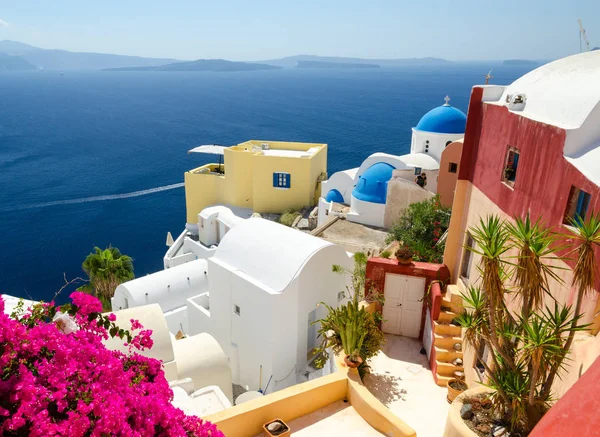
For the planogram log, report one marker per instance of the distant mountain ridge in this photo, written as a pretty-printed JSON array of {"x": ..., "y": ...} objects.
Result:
[
  {"x": 53, "y": 59},
  {"x": 203, "y": 65},
  {"x": 292, "y": 61},
  {"x": 14, "y": 63},
  {"x": 328, "y": 65}
]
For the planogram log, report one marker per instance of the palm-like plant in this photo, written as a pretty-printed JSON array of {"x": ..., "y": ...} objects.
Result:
[
  {"x": 107, "y": 269},
  {"x": 587, "y": 234},
  {"x": 528, "y": 347}
]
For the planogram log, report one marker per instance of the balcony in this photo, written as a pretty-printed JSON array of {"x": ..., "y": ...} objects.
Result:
[{"x": 210, "y": 169}]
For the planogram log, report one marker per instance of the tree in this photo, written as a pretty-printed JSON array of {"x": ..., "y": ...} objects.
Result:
[
  {"x": 107, "y": 269},
  {"x": 421, "y": 227},
  {"x": 528, "y": 346}
]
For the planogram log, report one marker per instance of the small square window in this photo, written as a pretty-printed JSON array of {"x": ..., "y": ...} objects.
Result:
[
  {"x": 453, "y": 167},
  {"x": 237, "y": 310},
  {"x": 417, "y": 171},
  {"x": 577, "y": 205},
  {"x": 281, "y": 180},
  {"x": 509, "y": 173}
]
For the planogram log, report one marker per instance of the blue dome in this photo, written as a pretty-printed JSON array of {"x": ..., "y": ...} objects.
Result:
[
  {"x": 444, "y": 119},
  {"x": 334, "y": 196},
  {"x": 372, "y": 184}
]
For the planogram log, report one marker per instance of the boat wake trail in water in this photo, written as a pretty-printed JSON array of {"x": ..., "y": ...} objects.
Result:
[{"x": 98, "y": 198}]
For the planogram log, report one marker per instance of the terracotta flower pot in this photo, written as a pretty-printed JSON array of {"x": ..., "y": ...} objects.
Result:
[
  {"x": 352, "y": 364},
  {"x": 282, "y": 431},
  {"x": 452, "y": 392},
  {"x": 404, "y": 261}
]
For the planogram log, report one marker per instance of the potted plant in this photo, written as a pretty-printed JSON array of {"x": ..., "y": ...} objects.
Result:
[
  {"x": 277, "y": 428},
  {"x": 404, "y": 255},
  {"x": 455, "y": 387}
]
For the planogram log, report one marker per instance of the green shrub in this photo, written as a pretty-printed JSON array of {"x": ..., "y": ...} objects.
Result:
[
  {"x": 420, "y": 229},
  {"x": 385, "y": 254},
  {"x": 288, "y": 217}
]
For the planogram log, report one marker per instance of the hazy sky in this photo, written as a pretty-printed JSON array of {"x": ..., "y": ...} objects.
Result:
[{"x": 263, "y": 29}]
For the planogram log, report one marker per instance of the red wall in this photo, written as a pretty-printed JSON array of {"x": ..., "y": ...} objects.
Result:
[
  {"x": 544, "y": 177},
  {"x": 577, "y": 412}
]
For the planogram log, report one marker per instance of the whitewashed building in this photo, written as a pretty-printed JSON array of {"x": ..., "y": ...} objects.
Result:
[
  {"x": 257, "y": 296},
  {"x": 365, "y": 189}
]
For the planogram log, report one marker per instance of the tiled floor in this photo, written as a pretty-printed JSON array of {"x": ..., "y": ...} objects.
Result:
[
  {"x": 402, "y": 381},
  {"x": 336, "y": 419}
]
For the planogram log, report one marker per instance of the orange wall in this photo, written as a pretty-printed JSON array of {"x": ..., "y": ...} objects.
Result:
[{"x": 446, "y": 180}]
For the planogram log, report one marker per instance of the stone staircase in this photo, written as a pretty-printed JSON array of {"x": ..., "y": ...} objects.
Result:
[{"x": 447, "y": 337}]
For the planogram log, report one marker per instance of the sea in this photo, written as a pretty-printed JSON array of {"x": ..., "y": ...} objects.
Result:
[{"x": 96, "y": 158}]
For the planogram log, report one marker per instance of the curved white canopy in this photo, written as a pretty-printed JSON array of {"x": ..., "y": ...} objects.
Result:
[{"x": 210, "y": 149}]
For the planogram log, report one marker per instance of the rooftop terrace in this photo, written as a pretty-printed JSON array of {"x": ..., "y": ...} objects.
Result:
[{"x": 337, "y": 418}]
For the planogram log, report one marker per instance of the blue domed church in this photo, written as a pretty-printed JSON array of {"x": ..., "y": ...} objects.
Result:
[{"x": 385, "y": 184}]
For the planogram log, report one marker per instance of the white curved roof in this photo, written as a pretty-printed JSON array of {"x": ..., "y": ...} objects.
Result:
[
  {"x": 169, "y": 288},
  {"x": 403, "y": 162},
  {"x": 422, "y": 160},
  {"x": 562, "y": 93},
  {"x": 268, "y": 252}
]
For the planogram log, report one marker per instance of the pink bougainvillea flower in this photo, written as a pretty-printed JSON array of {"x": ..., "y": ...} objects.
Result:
[{"x": 58, "y": 378}]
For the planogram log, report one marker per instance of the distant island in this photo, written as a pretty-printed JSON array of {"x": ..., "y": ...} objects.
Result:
[
  {"x": 14, "y": 63},
  {"x": 202, "y": 65},
  {"x": 328, "y": 65},
  {"x": 293, "y": 61},
  {"x": 28, "y": 57},
  {"x": 519, "y": 62},
  {"x": 51, "y": 59}
]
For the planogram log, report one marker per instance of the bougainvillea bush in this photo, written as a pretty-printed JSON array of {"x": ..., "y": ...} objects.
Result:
[{"x": 58, "y": 379}]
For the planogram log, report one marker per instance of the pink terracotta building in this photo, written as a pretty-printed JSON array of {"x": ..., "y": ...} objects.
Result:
[{"x": 532, "y": 147}]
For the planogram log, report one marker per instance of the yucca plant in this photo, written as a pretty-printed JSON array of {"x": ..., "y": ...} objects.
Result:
[
  {"x": 350, "y": 327},
  {"x": 528, "y": 346},
  {"x": 586, "y": 236}
]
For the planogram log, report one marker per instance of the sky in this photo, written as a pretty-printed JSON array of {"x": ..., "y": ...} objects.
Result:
[{"x": 247, "y": 30}]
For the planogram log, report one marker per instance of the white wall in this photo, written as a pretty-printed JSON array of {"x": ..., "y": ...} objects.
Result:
[
  {"x": 437, "y": 142},
  {"x": 367, "y": 213},
  {"x": 169, "y": 288},
  {"x": 323, "y": 211},
  {"x": 343, "y": 181}
]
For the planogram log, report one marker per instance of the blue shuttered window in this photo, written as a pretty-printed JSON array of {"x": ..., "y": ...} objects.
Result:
[{"x": 281, "y": 180}]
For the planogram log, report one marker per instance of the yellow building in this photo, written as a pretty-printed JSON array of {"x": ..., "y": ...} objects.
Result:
[{"x": 264, "y": 176}]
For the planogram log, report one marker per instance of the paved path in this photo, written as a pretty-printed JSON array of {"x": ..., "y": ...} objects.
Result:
[{"x": 402, "y": 381}]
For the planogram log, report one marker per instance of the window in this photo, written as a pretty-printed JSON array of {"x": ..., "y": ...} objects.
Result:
[
  {"x": 417, "y": 171},
  {"x": 510, "y": 166},
  {"x": 281, "y": 180},
  {"x": 481, "y": 357},
  {"x": 577, "y": 205},
  {"x": 453, "y": 167},
  {"x": 465, "y": 268},
  {"x": 237, "y": 310}
]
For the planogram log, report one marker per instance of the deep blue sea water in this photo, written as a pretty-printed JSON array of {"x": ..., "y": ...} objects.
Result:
[{"x": 65, "y": 140}]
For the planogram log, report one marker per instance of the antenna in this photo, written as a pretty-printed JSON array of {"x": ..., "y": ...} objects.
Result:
[
  {"x": 583, "y": 36},
  {"x": 488, "y": 77}
]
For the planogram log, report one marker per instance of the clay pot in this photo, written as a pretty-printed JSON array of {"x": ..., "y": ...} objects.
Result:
[
  {"x": 404, "y": 261},
  {"x": 452, "y": 392},
  {"x": 352, "y": 364}
]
